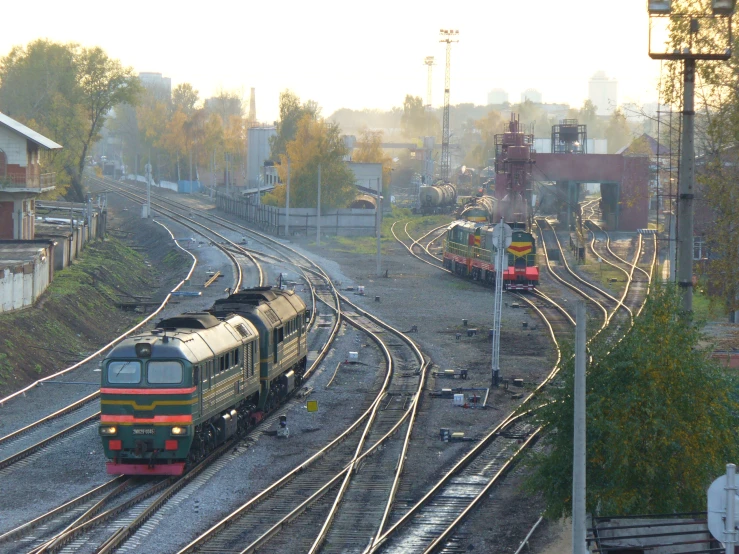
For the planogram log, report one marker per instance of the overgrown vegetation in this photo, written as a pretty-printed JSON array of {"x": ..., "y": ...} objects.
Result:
[
  {"x": 661, "y": 416},
  {"x": 77, "y": 313}
]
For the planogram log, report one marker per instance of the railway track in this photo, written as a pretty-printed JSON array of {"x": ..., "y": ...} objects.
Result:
[
  {"x": 324, "y": 494},
  {"x": 21, "y": 444},
  {"x": 433, "y": 519},
  {"x": 139, "y": 502},
  {"x": 435, "y": 260}
]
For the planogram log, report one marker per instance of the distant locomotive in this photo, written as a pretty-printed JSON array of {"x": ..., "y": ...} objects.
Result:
[
  {"x": 437, "y": 198},
  {"x": 171, "y": 395},
  {"x": 469, "y": 252},
  {"x": 480, "y": 210}
]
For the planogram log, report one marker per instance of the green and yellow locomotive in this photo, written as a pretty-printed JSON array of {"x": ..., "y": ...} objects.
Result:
[{"x": 171, "y": 395}]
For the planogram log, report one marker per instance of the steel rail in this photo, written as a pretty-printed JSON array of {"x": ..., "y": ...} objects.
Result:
[
  {"x": 181, "y": 219},
  {"x": 341, "y": 474},
  {"x": 84, "y": 401},
  {"x": 412, "y": 253},
  {"x": 67, "y": 506},
  {"x": 596, "y": 288},
  {"x": 107, "y": 346},
  {"x": 482, "y": 445}
]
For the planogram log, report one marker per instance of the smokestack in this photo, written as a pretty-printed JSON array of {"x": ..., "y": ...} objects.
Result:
[{"x": 252, "y": 108}]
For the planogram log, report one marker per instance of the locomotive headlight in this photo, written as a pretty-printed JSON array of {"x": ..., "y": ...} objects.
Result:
[
  {"x": 179, "y": 430},
  {"x": 108, "y": 431}
]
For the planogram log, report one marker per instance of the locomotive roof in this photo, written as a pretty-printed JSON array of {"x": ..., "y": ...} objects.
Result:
[
  {"x": 193, "y": 344},
  {"x": 271, "y": 305},
  {"x": 189, "y": 320}
]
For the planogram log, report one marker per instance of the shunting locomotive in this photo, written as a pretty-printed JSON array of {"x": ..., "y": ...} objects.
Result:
[
  {"x": 171, "y": 395},
  {"x": 468, "y": 247}
]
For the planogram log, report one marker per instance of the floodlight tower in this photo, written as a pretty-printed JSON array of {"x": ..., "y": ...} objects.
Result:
[
  {"x": 448, "y": 36},
  {"x": 429, "y": 61}
]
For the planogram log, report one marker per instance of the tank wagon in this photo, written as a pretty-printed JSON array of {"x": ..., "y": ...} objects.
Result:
[
  {"x": 171, "y": 395},
  {"x": 437, "y": 198},
  {"x": 469, "y": 252},
  {"x": 479, "y": 210}
]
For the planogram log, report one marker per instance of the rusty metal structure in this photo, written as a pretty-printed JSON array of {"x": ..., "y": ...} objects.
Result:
[
  {"x": 514, "y": 161},
  {"x": 569, "y": 137}
]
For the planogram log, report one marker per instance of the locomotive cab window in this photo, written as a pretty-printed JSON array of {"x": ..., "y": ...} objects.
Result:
[
  {"x": 124, "y": 372},
  {"x": 164, "y": 372}
]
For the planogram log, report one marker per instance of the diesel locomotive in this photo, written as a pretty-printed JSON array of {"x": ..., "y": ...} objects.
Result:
[
  {"x": 171, "y": 395},
  {"x": 469, "y": 251}
]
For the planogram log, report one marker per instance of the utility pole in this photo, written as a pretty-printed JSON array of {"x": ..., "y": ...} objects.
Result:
[
  {"x": 578, "y": 460},
  {"x": 379, "y": 227},
  {"x": 213, "y": 175},
  {"x": 287, "y": 200},
  {"x": 318, "y": 210},
  {"x": 448, "y": 36},
  {"x": 500, "y": 239},
  {"x": 147, "y": 208},
  {"x": 685, "y": 189},
  {"x": 190, "y": 169}
]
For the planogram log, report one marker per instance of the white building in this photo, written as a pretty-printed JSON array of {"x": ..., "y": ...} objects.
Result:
[
  {"x": 603, "y": 93},
  {"x": 497, "y": 96},
  {"x": 258, "y": 151},
  {"x": 532, "y": 95},
  {"x": 157, "y": 84}
]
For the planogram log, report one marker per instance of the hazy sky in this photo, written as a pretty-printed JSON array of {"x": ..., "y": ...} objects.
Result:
[{"x": 360, "y": 54}]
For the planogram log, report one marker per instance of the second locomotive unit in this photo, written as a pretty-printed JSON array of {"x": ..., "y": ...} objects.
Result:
[{"x": 171, "y": 395}]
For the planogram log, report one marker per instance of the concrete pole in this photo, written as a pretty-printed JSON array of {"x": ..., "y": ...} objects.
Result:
[
  {"x": 729, "y": 532},
  {"x": 379, "y": 227},
  {"x": 673, "y": 248},
  {"x": 498, "y": 303},
  {"x": 318, "y": 210},
  {"x": 213, "y": 188},
  {"x": 578, "y": 465},
  {"x": 190, "y": 169},
  {"x": 287, "y": 201},
  {"x": 685, "y": 190}
]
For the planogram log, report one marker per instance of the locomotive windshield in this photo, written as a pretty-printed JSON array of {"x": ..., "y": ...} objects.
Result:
[
  {"x": 164, "y": 372},
  {"x": 124, "y": 372}
]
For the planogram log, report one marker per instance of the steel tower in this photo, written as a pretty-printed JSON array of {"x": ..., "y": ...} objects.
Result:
[
  {"x": 429, "y": 61},
  {"x": 448, "y": 36}
]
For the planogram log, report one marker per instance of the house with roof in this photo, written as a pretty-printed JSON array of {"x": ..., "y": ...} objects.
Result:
[
  {"x": 26, "y": 264},
  {"x": 21, "y": 180}
]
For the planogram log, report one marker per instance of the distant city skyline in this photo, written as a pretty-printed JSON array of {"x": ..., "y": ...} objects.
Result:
[{"x": 316, "y": 51}]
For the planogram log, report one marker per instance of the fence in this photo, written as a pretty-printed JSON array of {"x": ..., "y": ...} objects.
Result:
[{"x": 344, "y": 222}]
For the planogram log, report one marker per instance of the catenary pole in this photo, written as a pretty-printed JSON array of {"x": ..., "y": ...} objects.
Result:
[
  {"x": 287, "y": 201},
  {"x": 578, "y": 465},
  {"x": 318, "y": 210},
  {"x": 379, "y": 227},
  {"x": 685, "y": 196}
]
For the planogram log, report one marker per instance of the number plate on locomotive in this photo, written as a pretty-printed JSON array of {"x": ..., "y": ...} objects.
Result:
[{"x": 143, "y": 431}]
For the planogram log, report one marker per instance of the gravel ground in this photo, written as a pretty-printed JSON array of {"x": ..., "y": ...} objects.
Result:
[
  {"x": 242, "y": 474},
  {"x": 26, "y": 492}
]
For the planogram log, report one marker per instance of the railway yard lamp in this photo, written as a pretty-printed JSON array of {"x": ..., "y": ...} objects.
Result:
[{"x": 688, "y": 36}]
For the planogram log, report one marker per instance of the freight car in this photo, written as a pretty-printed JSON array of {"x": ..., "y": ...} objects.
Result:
[
  {"x": 469, "y": 252},
  {"x": 171, "y": 395},
  {"x": 437, "y": 198}
]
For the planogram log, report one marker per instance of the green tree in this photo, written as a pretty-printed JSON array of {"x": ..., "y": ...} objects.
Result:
[
  {"x": 291, "y": 114},
  {"x": 185, "y": 98},
  {"x": 482, "y": 154},
  {"x": 661, "y": 416},
  {"x": 414, "y": 121},
  {"x": 370, "y": 151},
  {"x": 78, "y": 88},
  {"x": 316, "y": 142},
  {"x": 618, "y": 132}
]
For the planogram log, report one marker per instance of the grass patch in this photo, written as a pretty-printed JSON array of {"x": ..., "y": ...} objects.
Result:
[{"x": 418, "y": 225}]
